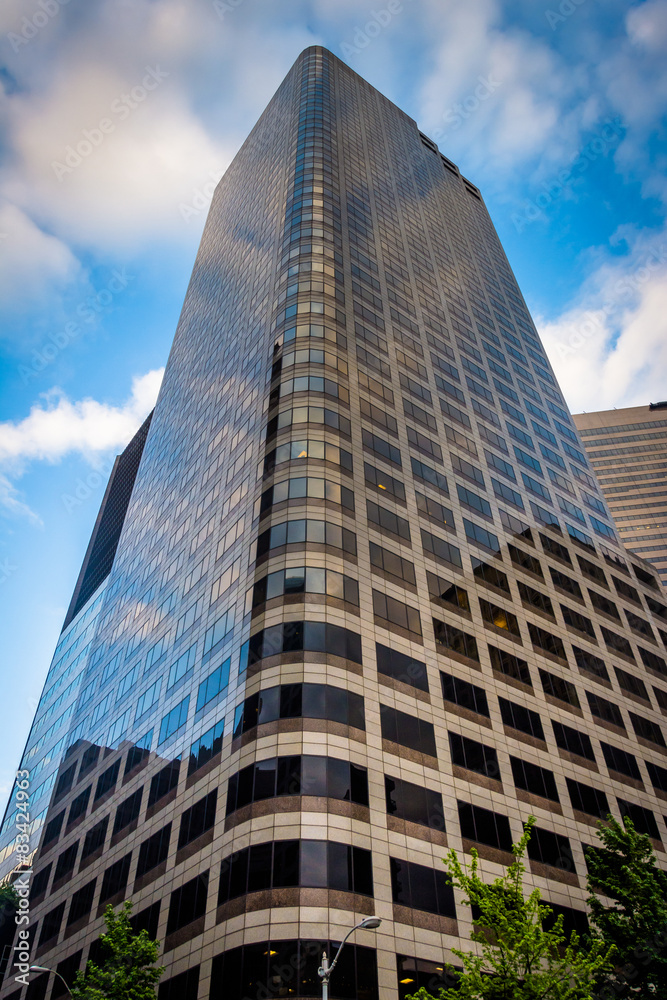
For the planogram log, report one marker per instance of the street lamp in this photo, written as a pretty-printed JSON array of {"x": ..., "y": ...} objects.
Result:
[
  {"x": 325, "y": 970},
  {"x": 40, "y": 968}
]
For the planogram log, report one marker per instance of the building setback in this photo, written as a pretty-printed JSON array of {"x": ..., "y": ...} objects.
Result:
[
  {"x": 367, "y": 602},
  {"x": 628, "y": 450}
]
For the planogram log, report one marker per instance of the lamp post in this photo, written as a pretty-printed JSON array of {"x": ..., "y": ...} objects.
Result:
[
  {"x": 40, "y": 968},
  {"x": 325, "y": 970}
]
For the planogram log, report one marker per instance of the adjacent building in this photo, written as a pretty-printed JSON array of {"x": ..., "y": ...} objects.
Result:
[
  {"x": 628, "y": 450},
  {"x": 367, "y": 602}
]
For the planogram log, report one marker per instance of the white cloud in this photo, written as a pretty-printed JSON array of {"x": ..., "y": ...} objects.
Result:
[
  {"x": 31, "y": 261},
  {"x": 616, "y": 329},
  {"x": 59, "y": 426}
]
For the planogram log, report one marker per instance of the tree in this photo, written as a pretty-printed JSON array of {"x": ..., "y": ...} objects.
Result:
[
  {"x": 624, "y": 870},
  {"x": 127, "y": 971},
  {"x": 517, "y": 958},
  {"x": 9, "y": 897}
]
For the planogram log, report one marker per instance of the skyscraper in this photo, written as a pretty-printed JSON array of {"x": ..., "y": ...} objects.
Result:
[
  {"x": 367, "y": 601},
  {"x": 632, "y": 476}
]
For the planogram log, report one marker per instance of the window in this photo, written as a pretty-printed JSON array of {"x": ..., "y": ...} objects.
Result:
[
  {"x": 524, "y": 560},
  {"x": 445, "y": 591},
  {"x": 414, "y": 803},
  {"x": 387, "y": 520},
  {"x": 573, "y": 741},
  {"x": 653, "y": 662},
  {"x": 66, "y": 861},
  {"x": 184, "y": 986},
  {"x": 577, "y": 621},
  {"x": 149, "y": 698},
  {"x": 115, "y": 878},
  {"x": 484, "y": 826},
  {"x": 480, "y": 536},
  {"x": 182, "y": 667},
  {"x": 396, "y": 612},
  {"x": 424, "y": 444},
  {"x": 127, "y": 811},
  {"x": 456, "y": 640},
  {"x": 603, "y": 604},
  {"x": 434, "y": 510},
  {"x": 494, "y": 615},
  {"x": 436, "y": 479},
  {"x": 657, "y": 774},
  {"x": 533, "y": 778},
  {"x": 212, "y": 685},
  {"x": 642, "y": 818},
  {"x": 297, "y": 775},
  {"x": 284, "y": 863},
  {"x": 154, "y": 850},
  {"x": 510, "y": 665},
  {"x": 421, "y": 888},
  {"x": 625, "y": 590},
  {"x": 535, "y": 598},
  {"x": 107, "y": 780},
  {"x": 381, "y": 447},
  {"x": 521, "y": 718},
  {"x": 393, "y": 487},
  {"x": 79, "y": 805},
  {"x": 188, "y": 903},
  {"x": 605, "y": 710},
  {"x": 82, "y": 903},
  {"x": 491, "y": 575},
  {"x": 473, "y": 501},
  {"x": 305, "y": 580},
  {"x": 545, "y": 640},
  {"x": 592, "y": 571},
  {"x": 632, "y": 684},
  {"x": 559, "y": 688},
  {"x": 617, "y": 643},
  {"x": 401, "y": 667},
  {"x": 206, "y": 747},
  {"x": 621, "y": 761},
  {"x": 95, "y": 838},
  {"x": 163, "y": 782},
  {"x": 199, "y": 818},
  {"x": 554, "y": 548},
  {"x": 550, "y": 848},
  {"x": 639, "y": 625},
  {"x": 299, "y": 531},
  {"x": 51, "y": 924},
  {"x": 174, "y": 720},
  {"x": 440, "y": 549},
  {"x": 586, "y": 799},
  {"x": 591, "y": 664},
  {"x": 647, "y": 730},
  {"x": 474, "y": 756},
  {"x": 407, "y": 730},
  {"x": 300, "y": 701},
  {"x": 464, "y": 694}
]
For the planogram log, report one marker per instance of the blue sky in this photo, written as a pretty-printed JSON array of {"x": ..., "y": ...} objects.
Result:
[{"x": 556, "y": 112}]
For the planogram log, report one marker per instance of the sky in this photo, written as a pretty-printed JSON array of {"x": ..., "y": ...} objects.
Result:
[{"x": 117, "y": 117}]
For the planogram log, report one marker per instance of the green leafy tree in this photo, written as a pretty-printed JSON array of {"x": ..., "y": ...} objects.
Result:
[
  {"x": 516, "y": 958},
  {"x": 127, "y": 970},
  {"x": 634, "y": 916},
  {"x": 8, "y": 897}
]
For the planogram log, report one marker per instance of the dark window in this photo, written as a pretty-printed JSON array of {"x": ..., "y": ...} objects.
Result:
[
  {"x": 296, "y": 775},
  {"x": 415, "y": 973},
  {"x": 535, "y": 598},
  {"x": 603, "y": 604},
  {"x": 88, "y": 760},
  {"x": 392, "y": 563},
  {"x": 184, "y": 986},
  {"x": 448, "y": 592},
  {"x": 657, "y": 774},
  {"x": 147, "y": 920},
  {"x": 524, "y": 560},
  {"x": 521, "y": 718},
  {"x": 440, "y": 549},
  {"x": 107, "y": 780},
  {"x": 573, "y": 920},
  {"x": 499, "y": 617},
  {"x": 617, "y": 643},
  {"x": 429, "y": 475},
  {"x": 381, "y": 447},
  {"x": 127, "y": 811},
  {"x": 187, "y": 903},
  {"x": 401, "y": 667},
  {"x": 474, "y": 756},
  {"x": 66, "y": 861},
  {"x": 592, "y": 571},
  {"x": 566, "y": 583},
  {"x": 464, "y": 694},
  {"x": 590, "y": 663},
  {"x": 625, "y": 590},
  {"x": 487, "y": 573},
  {"x": 414, "y": 803},
  {"x": 407, "y": 730},
  {"x": 455, "y": 639},
  {"x": 79, "y": 805},
  {"x": 95, "y": 838},
  {"x": 631, "y": 683},
  {"x": 387, "y": 520},
  {"x": 606, "y": 710},
  {"x": 154, "y": 850},
  {"x": 642, "y": 818},
  {"x": 41, "y": 881},
  {"x": 578, "y": 621},
  {"x": 421, "y": 888},
  {"x": 545, "y": 640},
  {"x": 53, "y": 828},
  {"x": 573, "y": 741},
  {"x": 163, "y": 782},
  {"x": 51, "y": 924},
  {"x": 555, "y": 548},
  {"x": 67, "y": 968},
  {"x": 115, "y": 878},
  {"x": 559, "y": 688},
  {"x": 206, "y": 747},
  {"x": 586, "y": 799},
  {"x": 383, "y": 481},
  {"x": 297, "y": 636},
  {"x": 485, "y": 827},
  {"x": 639, "y": 625},
  {"x": 533, "y": 778},
  {"x": 396, "y": 612},
  {"x": 647, "y": 729},
  {"x": 135, "y": 755},
  {"x": 653, "y": 662},
  {"x": 510, "y": 665},
  {"x": 480, "y": 536},
  {"x": 433, "y": 510},
  {"x": 621, "y": 761},
  {"x": 550, "y": 849},
  {"x": 199, "y": 818},
  {"x": 296, "y": 701},
  {"x": 82, "y": 903},
  {"x": 64, "y": 782}
]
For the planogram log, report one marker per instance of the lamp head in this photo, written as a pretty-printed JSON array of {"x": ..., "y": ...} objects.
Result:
[
  {"x": 38, "y": 968},
  {"x": 370, "y": 923}
]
